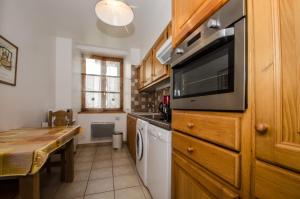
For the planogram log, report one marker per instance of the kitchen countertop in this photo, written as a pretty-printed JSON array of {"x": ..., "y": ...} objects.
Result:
[{"x": 152, "y": 118}]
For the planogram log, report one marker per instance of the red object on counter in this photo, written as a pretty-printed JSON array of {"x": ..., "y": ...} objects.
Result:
[{"x": 166, "y": 100}]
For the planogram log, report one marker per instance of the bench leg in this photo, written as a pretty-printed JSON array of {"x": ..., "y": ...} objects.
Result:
[
  {"x": 68, "y": 166},
  {"x": 30, "y": 186}
]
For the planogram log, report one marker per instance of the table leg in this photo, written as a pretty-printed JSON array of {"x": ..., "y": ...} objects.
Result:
[
  {"x": 30, "y": 186},
  {"x": 68, "y": 167}
]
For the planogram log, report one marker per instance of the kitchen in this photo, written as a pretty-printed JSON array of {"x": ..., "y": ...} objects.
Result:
[{"x": 159, "y": 99}]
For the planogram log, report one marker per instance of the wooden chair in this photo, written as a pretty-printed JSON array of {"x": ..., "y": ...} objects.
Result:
[
  {"x": 57, "y": 119},
  {"x": 60, "y": 118}
]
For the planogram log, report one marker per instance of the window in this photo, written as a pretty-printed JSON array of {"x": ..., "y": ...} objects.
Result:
[{"x": 102, "y": 84}]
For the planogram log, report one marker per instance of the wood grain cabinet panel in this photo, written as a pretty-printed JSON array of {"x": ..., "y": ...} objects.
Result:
[
  {"x": 220, "y": 129},
  {"x": 148, "y": 69},
  {"x": 141, "y": 78},
  {"x": 222, "y": 162},
  {"x": 188, "y": 15},
  {"x": 131, "y": 136},
  {"x": 277, "y": 83},
  {"x": 192, "y": 182},
  {"x": 276, "y": 183}
]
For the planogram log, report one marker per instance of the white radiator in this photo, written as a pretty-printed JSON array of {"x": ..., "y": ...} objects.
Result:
[{"x": 101, "y": 130}]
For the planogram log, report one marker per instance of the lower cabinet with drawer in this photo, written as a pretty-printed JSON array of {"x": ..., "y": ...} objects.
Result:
[
  {"x": 190, "y": 181},
  {"x": 211, "y": 155},
  {"x": 222, "y": 162}
]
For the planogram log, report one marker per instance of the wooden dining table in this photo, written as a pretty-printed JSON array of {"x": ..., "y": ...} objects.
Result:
[{"x": 23, "y": 152}]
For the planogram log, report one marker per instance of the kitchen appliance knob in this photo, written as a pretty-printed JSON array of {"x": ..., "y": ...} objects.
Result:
[
  {"x": 179, "y": 51},
  {"x": 213, "y": 23},
  {"x": 262, "y": 128}
]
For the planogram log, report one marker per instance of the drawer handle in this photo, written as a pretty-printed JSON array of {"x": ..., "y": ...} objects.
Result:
[
  {"x": 190, "y": 149},
  {"x": 190, "y": 125},
  {"x": 262, "y": 128}
]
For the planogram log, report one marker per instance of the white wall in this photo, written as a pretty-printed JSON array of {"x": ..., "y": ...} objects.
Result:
[
  {"x": 76, "y": 80},
  {"x": 63, "y": 73},
  {"x": 26, "y": 104}
]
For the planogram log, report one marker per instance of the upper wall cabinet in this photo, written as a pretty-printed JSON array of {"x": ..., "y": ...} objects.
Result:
[
  {"x": 188, "y": 15},
  {"x": 148, "y": 68},
  {"x": 159, "y": 70},
  {"x": 276, "y": 26},
  {"x": 151, "y": 71},
  {"x": 140, "y": 74}
]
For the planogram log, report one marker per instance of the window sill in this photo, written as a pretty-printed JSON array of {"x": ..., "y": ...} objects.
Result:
[{"x": 100, "y": 112}]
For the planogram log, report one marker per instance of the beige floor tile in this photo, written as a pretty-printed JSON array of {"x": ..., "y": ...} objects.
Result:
[
  {"x": 81, "y": 149},
  {"x": 104, "y": 149},
  {"x": 130, "y": 193},
  {"x": 102, "y": 157},
  {"x": 82, "y": 166},
  {"x": 125, "y": 181},
  {"x": 81, "y": 175},
  {"x": 71, "y": 190},
  {"x": 105, "y": 195},
  {"x": 120, "y": 155},
  {"x": 119, "y": 151},
  {"x": 101, "y": 148},
  {"x": 123, "y": 170},
  {"x": 86, "y": 153},
  {"x": 99, "y": 186},
  {"x": 146, "y": 193},
  {"x": 84, "y": 158},
  {"x": 101, "y": 173},
  {"x": 121, "y": 162},
  {"x": 102, "y": 164}
]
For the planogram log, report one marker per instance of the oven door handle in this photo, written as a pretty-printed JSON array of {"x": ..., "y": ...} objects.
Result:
[{"x": 227, "y": 32}]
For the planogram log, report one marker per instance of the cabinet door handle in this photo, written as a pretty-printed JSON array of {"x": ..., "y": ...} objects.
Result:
[
  {"x": 190, "y": 125},
  {"x": 262, "y": 128},
  {"x": 190, "y": 149}
]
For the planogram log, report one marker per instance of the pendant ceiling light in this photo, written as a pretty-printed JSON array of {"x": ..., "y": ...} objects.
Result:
[{"x": 114, "y": 12}]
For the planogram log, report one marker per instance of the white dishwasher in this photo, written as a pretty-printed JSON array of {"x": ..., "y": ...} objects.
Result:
[{"x": 159, "y": 162}]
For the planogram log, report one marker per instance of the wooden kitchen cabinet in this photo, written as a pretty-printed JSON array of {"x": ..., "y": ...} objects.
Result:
[
  {"x": 148, "y": 69},
  {"x": 151, "y": 70},
  {"x": 159, "y": 70},
  {"x": 224, "y": 130},
  {"x": 276, "y": 183},
  {"x": 193, "y": 182},
  {"x": 188, "y": 15},
  {"x": 140, "y": 75},
  {"x": 224, "y": 163},
  {"x": 276, "y": 63},
  {"x": 131, "y": 135}
]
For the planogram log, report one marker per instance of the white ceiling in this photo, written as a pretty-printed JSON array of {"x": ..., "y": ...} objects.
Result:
[{"x": 76, "y": 19}]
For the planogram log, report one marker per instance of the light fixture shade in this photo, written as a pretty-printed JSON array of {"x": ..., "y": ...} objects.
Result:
[{"x": 114, "y": 12}]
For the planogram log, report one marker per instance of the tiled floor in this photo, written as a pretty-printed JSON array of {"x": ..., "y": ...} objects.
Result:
[{"x": 100, "y": 173}]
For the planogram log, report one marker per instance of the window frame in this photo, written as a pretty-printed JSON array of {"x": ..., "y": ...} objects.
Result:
[{"x": 83, "y": 86}]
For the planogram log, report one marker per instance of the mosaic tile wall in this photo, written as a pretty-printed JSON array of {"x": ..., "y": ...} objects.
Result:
[{"x": 140, "y": 102}]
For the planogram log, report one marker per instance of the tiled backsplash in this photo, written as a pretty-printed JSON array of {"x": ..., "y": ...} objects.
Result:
[{"x": 140, "y": 102}]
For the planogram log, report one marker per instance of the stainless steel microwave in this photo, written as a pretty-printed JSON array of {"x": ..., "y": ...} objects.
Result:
[{"x": 209, "y": 70}]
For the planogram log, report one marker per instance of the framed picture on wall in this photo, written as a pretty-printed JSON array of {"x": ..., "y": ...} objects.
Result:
[{"x": 8, "y": 62}]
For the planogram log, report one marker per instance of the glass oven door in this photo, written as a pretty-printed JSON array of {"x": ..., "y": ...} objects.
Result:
[{"x": 208, "y": 72}]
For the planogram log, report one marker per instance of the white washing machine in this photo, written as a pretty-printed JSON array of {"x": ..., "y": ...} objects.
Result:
[
  {"x": 159, "y": 162},
  {"x": 142, "y": 149}
]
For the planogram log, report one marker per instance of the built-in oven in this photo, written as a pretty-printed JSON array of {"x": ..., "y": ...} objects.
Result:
[{"x": 209, "y": 67}]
